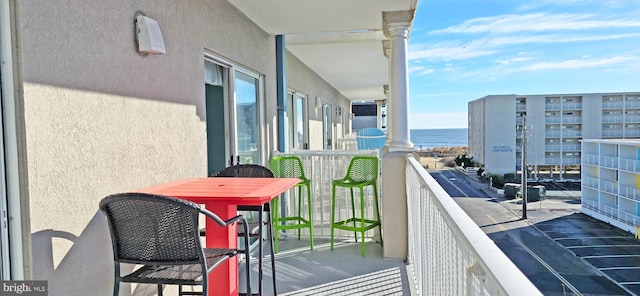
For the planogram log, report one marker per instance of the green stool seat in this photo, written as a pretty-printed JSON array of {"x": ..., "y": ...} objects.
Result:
[
  {"x": 291, "y": 167},
  {"x": 362, "y": 172}
]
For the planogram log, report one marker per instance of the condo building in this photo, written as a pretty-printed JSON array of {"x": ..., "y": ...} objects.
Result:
[
  {"x": 610, "y": 181},
  {"x": 551, "y": 126}
]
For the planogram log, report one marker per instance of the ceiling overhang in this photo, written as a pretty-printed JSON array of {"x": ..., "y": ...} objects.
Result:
[{"x": 339, "y": 40}]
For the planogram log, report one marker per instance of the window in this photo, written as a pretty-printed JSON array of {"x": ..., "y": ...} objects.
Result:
[{"x": 297, "y": 118}]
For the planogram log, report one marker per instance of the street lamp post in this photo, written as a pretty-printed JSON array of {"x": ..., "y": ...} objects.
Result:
[{"x": 523, "y": 166}]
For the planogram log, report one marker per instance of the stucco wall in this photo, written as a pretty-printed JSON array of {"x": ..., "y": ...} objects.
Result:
[
  {"x": 101, "y": 119},
  {"x": 301, "y": 78}
]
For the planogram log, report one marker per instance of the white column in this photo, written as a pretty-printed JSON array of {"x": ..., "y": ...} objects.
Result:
[{"x": 399, "y": 88}]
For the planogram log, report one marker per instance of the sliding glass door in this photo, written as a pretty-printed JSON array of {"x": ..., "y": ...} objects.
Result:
[{"x": 234, "y": 132}]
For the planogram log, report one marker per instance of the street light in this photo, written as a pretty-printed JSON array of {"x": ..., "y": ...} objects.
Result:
[{"x": 523, "y": 166}]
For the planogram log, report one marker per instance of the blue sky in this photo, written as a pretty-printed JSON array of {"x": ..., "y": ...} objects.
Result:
[{"x": 462, "y": 50}]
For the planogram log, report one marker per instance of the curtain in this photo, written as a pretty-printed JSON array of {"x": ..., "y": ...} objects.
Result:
[{"x": 212, "y": 74}]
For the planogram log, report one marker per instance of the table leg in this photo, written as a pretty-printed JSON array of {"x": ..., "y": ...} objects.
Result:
[{"x": 224, "y": 279}]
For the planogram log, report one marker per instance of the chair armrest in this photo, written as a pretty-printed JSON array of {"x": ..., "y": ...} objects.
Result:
[{"x": 220, "y": 221}]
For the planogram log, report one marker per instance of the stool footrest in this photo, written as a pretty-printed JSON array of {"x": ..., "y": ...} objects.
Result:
[
  {"x": 368, "y": 224},
  {"x": 302, "y": 223}
]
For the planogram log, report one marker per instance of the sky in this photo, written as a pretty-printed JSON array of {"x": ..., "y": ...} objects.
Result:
[{"x": 462, "y": 50}]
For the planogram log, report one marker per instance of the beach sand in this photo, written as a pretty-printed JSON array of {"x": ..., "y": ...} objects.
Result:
[{"x": 438, "y": 157}]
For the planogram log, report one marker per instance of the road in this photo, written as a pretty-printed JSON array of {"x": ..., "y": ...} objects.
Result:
[{"x": 543, "y": 247}]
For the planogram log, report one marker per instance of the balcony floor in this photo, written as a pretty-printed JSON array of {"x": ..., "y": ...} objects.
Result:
[{"x": 342, "y": 271}]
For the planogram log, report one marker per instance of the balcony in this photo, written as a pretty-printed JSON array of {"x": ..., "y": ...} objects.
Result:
[
  {"x": 611, "y": 105},
  {"x": 612, "y": 119},
  {"x": 439, "y": 234},
  {"x": 571, "y": 106},
  {"x": 612, "y": 133}
]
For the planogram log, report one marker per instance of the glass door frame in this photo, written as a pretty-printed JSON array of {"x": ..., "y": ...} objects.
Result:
[
  {"x": 294, "y": 111},
  {"x": 231, "y": 131}
]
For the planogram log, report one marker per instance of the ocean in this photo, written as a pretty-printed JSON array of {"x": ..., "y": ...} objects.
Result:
[{"x": 431, "y": 138}]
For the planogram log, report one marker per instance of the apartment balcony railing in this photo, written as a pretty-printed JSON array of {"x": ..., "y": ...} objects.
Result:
[
  {"x": 591, "y": 182},
  {"x": 612, "y": 105},
  {"x": 448, "y": 253},
  {"x": 570, "y": 160},
  {"x": 612, "y": 119},
  {"x": 608, "y": 186},
  {"x": 612, "y": 133},
  {"x": 552, "y": 106},
  {"x": 552, "y": 119},
  {"x": 629, "y": 105},
  {"x": 630, "y": 192},
  {"x": 561, "y": 161},
  {"x": 571, "y": 106},
  {"x": 591, "y": 159},
  {"x": 571, "y": 133},
  {"x": 552, "y": 147},
  {"x": 611, "y": 212},
  {"x": 552, "y": 134},
  {"x": 609, "y": 161},
  {"x": 571, "y": 119},
  {"x": 571, "y": 147},
  {"x": 521, "y": 107},
  {"x": 631, "y": 133},
  {"x": 632, "y": 119},
  {"x": 631, "y": 165}
]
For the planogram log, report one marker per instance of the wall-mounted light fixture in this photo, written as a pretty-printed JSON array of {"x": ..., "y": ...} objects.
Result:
[
  {"x": 318, "y": 102},
  {"x": 148, "y": 35}
]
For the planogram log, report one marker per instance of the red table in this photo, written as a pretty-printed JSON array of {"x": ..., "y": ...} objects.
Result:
[{"x": 222, "y": 196}]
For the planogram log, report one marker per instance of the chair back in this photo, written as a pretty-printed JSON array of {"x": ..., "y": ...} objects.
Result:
[
  {"x": 370, "y": 138},
  {"x": 363, "y": 169},
  {"x": 153, "y": 229},
  {"x": 287, "y": 167},
  {"x": 245, "y": 170}
]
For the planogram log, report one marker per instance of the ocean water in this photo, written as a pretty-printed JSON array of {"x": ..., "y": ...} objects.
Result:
[{"x": 431, "y": 138}]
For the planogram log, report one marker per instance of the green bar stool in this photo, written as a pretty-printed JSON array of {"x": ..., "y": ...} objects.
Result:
[
  {"x": 291, "y": 167},
  {"x": 362, "y": 172}
]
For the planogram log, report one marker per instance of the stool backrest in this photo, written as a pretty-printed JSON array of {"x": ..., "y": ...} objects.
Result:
[
  {"x": 363, "y": 169},
  {"x": 287, "y": 167}
]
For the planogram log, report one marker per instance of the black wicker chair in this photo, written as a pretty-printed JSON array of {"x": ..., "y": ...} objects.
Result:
[
  {"x": 255, "y": 228},
  {"x": 160, "y": 233}
]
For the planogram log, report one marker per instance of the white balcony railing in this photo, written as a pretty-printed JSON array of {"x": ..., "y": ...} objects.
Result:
[
  {"x": 612, "y": 119},
  {"x": 630, "y": 192},
  {"x": 631, "y": 165},
  {"x": 590, "y": 158},
  {"x": 611, "y": 212},
  {"x": 448, "y": 253},
  {"x": 631, "y": 133},
  {"x": 612, "y": 133},
  {"x": 608, "y": 186},
  {"x": 609, "y": 161},
  {"x": 611, "y": 105}
]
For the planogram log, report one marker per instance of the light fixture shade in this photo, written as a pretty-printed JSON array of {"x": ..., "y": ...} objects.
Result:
[{"x": 149, "y": 36}]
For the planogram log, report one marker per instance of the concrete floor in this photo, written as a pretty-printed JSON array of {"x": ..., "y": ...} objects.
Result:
[{"x": 343, "y": 271}]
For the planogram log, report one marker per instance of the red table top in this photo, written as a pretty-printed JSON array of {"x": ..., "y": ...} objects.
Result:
[{"x": 239, "y": 191}]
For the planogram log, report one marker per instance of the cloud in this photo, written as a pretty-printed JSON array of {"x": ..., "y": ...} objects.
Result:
[
  {"x": 420, "y": 70},
  {"x": 601, "y": 3},
  {"x": 537, "y": 22},
  {"x": 576, "y": 64}
]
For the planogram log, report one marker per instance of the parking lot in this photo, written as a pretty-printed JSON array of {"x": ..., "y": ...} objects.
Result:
[{"x": 561, "y": 250}]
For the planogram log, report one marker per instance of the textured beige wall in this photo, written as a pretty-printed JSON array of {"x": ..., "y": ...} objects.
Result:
[
  {"x": 302, "y": 79},
  {"x": 101, "y": 119}
]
